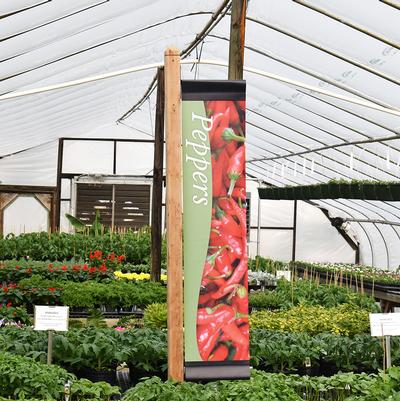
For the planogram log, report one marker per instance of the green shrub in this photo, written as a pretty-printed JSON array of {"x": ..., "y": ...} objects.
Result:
[
  {"x": 344, "y": 319},
  {"x": 91, "y": 294},
  {"x": 155, "y": 316},
  {"x": 289, "y": 294}
]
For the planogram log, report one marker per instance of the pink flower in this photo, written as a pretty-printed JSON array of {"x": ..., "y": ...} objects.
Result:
[{"x": 119, "y": 328}]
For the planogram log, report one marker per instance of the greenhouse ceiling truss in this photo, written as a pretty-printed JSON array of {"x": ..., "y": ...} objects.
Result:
[{"x": 287, "y": 125}]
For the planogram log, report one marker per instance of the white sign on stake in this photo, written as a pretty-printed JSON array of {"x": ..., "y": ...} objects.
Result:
[
  {"x": 51, "y": 318},
  {"x": 286, "y": 274},
  {"x": 384, "y": 324}
]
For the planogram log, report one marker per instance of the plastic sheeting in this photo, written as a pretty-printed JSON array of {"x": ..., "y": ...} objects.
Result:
[{"x": 294, "y": 132}]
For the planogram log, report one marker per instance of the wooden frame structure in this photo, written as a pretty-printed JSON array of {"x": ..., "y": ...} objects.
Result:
[{"x": 45, "y": 195}]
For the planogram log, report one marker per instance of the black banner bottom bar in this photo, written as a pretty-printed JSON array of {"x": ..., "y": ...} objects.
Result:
[{"x": 195, "y": 371}]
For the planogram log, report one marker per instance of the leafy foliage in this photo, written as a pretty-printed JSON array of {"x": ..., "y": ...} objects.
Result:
[
  {"x": 22, "y": 378},
  {"x": 62, "y": 246},
  {"x": 90, "y": 294},
  {"x": 275, "y": 387},
  {"x": 289, "y": 294},
  {"x": 344, "y": 319},
  {"x": 155, "y": 316}
]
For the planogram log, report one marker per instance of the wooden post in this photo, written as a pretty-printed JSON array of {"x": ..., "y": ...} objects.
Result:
[
  {"x": 236, "y": 41},
  {"x": 156, "y": 203},
  {"x": 173, "y": 117}
]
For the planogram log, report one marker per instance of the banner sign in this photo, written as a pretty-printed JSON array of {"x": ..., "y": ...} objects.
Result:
[{"x": 214, "y": 230}]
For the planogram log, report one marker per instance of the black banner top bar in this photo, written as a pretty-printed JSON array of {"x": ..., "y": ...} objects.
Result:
[{"x": 213, "y": 90}]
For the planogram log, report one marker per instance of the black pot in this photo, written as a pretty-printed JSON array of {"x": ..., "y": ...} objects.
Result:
[
  {"x": 356, "y": 192},
  {"x": 395, "y": 191},
  {"x": 136, "y": 374},
  {"x": 298, "y": 192},
  {"x": 334, "y": 190},
  {"x": 325, "y": 191},
  {"x": 315, "y": 192},
  {"x": 344, "y": 190},
  {"x": 368, "y": 191},
  {"x": 108, "y": 376}
]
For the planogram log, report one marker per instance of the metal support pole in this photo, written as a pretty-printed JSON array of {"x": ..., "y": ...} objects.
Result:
[
  {"x": 156, "y": 203},
  {"x": 294, "y": 231},
  {"x": 258, "y": 226},
  {"x": 113, "y": 209}
]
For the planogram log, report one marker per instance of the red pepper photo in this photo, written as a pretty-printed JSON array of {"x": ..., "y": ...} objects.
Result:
[{"x": 222, "y": 315}]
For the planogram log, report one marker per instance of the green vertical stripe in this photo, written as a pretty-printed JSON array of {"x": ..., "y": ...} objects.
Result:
[{"x": 197, "y": 204}]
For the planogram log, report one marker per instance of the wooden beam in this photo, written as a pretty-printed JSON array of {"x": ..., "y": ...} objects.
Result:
[
  {"x": 45, "y": 200},
  {"x": 236, "y": 41},
  {"x": 32, "y": 189},
  {"x": 5, "y": 200},
  {"x": 156, "y": 202},
  {"x": 173, "y": 117}
]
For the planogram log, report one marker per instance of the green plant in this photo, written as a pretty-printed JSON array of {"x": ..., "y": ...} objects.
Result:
[
  {"x": 344, "y": 319},
  {"x": 91, "y": 347},
  {"x": 135, "y": 246},
  {"x": 95, "y": 229},
  {"x": 273, "y": 387},
  {"x": 23, "y": 377},
  {"x": 289, "y": 294},
  {"x": 91, "y": 294},
  {"x": 155, "y": 316},
  {"x": 9, "y": 314}
]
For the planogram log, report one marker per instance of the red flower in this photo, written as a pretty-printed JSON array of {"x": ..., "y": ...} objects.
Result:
[
  {"x": 9, "y": 305},
  {"x": 92, "y": 270},
  {"x": 29, "y": 271},
  {"x": 76, "y": 268},
  {"x": 111, "y": 256},
  {"x": 51, "y": 289},
  {"x": 17, "y": 267},
  {"x": 121, "y": 258},
  {"x": 65, "y": 268},
  {"x": 86, "y": 268},
  {"x": 5, "y": 289},
  {"x": 50, "y": 265},
  {"x": 103, "y": 268}
]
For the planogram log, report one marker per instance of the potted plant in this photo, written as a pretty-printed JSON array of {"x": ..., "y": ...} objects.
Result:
[
  {"x": 382, "y": 191},
  {"x": 93, "y": 353},
  {"x": 315, "y": 191},
  {"x": 344, "y": 189},
  {"x": 395, "y": 190},
  {"x": 325, "y": 191},
  {"x": 334, "y": 189},
  {"x": 355, "y": 190},
  {"x": 368, "y": 190}
]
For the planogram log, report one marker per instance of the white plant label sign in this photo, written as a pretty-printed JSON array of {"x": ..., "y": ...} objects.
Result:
[
  {"x": 286, "y": 274},
  {"x": 51, "y": 318},
  {"x": 384, "y": 324}
]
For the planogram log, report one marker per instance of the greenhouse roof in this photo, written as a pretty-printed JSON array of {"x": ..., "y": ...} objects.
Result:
[{"x": 295, "y": 135}]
